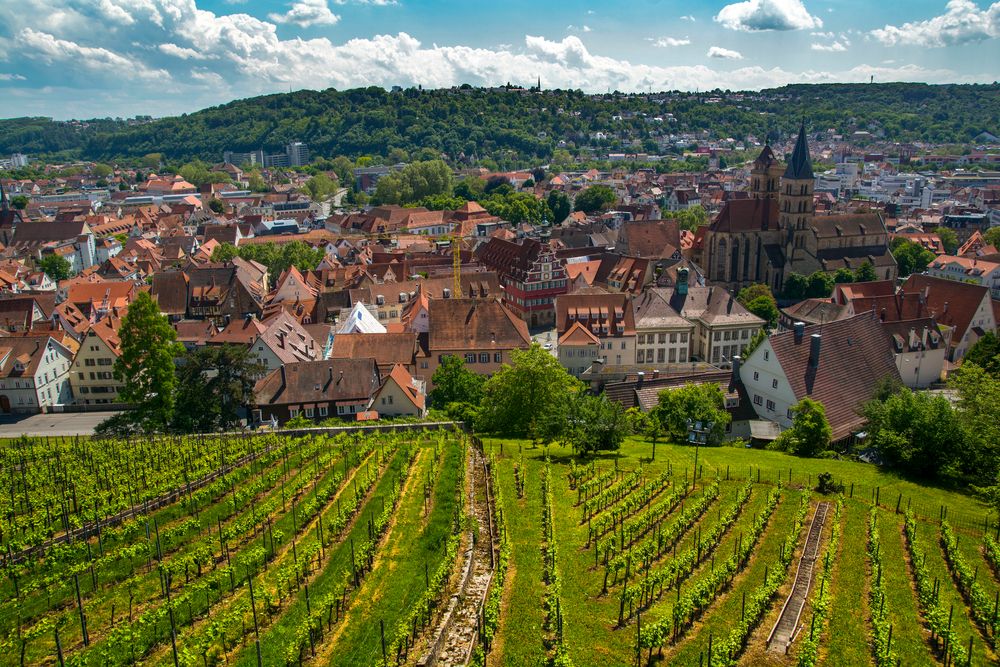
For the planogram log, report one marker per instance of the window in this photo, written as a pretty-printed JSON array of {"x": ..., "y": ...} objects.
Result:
[
  {"x": 684, "y": 337},
  {"x": 767, "y": 355},
  {"x": 718, "y": 336},
  {"x": 497, "y": 357},
  {"x": 745, "y": 334},
  {"x": 323, "y": 411},
  {"x": 89, "y": 362},
  {"x": 484, "y": 357},
  {"x": 788, "y": 413},
  {"x": 757, "y": 399},
  {"x": 673, "y": 337},
  {"x": 104, "y": 362},
  {"x": 390, "y": 399},
  {"x": 770, "y": 406},
  {"x": 774, "y": 383},
  {"x": 756, "y": 376},
  {"x": 309, "y": 413},
  {"x": 470, "y": 358},
  {"x": 293, "y": 412},
  {"x": 340, "y": 409},
  {"x": 423, "y": 364},
  {"x": 623, "y": 345},
  {"x": 725, "y": 335},
  {"x": 659, "y": 355},
  {"x": 673, "y": 354}
]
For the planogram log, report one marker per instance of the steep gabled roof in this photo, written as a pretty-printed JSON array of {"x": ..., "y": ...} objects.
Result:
[
  {"x": 854, "y": 359},
  {"x": 475, "y": 324},
  {"x": 800, "y": 166}
]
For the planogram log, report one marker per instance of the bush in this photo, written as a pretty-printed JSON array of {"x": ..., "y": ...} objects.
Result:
[{"x": 827, "y": 485}]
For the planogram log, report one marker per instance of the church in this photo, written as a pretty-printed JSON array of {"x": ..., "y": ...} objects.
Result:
[{"x": 775, "y": 232}]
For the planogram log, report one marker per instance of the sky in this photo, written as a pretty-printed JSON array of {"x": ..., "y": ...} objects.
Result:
[{"x": 99, "y": 58}]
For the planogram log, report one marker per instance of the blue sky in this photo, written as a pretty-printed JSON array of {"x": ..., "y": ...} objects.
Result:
[{"x": 95, "y": 58}]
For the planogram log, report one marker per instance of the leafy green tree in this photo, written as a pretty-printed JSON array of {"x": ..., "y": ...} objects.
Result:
[
  {"x": 151, "y": 160},
  {"x": 102, "y": 171},
  {"x": 756, "y": 339},
  {"x": 865, "y": 273},
  {"x": 699, "y": 402},
  {"x": 454, "y": 383},
  {"x": 594, "y": 198},
  {"x": 256, "y": 181},
  {"x": 517, "y": 397},
  {"x": 916, "y": 432},
  {"x": 985, "y": 353},
  {"x": 796, "y": 286},
  {"x": 910, "y": 257},
  {"x": 55, "y": 267},
  {"x": 559, "y": 205},
  {"x": 440, "y": 203},
  {"x": 198, "y": 173},
  {"x": 415, "y": 181},
  {"x": 992, "y": 237},
  {"x": 691, "y": 218},
  {"x": 277, "y": 258},
  {"x": 810, "y": 432},
  {"x": 145, "y": 365},
  {"x": 765, "y": 308},
  {"x": 320, "y": 187},
  {"x": 216, "y": 206},
  {"x": 214, "y": 383},
  {"x": 979, "y": 413},
  {"x": 470, "y": 188},
  {"x": 949, "y": 239},
  {"x": 517, "y": 207},
  {"x": 595, "y": 424},
  {"x": 843, "y": 275},
  {"x": 20, "y": 202},
  {"x": 820, "y": 285}
]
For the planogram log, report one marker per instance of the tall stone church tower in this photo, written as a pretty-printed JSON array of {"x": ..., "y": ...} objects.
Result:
[
  {"x": 795, "y": 201},
  {"x": 765, "y": 175}
]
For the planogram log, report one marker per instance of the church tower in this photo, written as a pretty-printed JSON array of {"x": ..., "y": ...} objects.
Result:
[
  {"x": 795, "y": 202},
  {"x": 765, "y": 175}
]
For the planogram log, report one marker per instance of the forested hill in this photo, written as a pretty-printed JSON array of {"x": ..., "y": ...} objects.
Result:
[{"x": 527, "y": 125}]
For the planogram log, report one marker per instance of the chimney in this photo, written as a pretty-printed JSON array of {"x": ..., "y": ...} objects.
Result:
[
  {"x": 882, "y": 315},
  {"x": 341, "y": 377},
  {"x": 737, "y": 362},
  {"x": 656, "y": 373},
  {"x": 945, "y": 309},
  {"x": 800, "y": 331},
  {"x": 639, "y": 380},
  {"x": 682, "y": 281},
  {"x": 814, "y": 345}
]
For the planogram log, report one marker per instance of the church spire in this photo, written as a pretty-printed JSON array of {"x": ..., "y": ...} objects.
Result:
[{"x": 800, "y": 166}]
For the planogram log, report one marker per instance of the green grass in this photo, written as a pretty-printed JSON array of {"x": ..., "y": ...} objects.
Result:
[
  {"x": 398, "y": 578},
  {"x": 909, "y": 640},
  {"x": 849, "y": 635}
]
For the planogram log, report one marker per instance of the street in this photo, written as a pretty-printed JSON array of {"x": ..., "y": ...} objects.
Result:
[{"x": 65, "y": 423}]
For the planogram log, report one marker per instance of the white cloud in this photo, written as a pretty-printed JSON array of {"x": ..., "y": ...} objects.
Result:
[
  {"x": 307, "y": 13},
  {"x": 586, "y": 28},
  {"x": 688, "y": 17},
  {"x": 833, "y": 47},
  {"x": 664, "y": 42},
  {"x": 582, "y": 28},
  {"x": 727, "y": 54},
  {"x": 51, "y": 50},
  {"x": 181, "y": 52},
  {"x": 248, "y": 54},
  {"x": 963, "y": 22},
  {"x": 378, "y": 3},
  {"x": 754, "y": 15},
  {"x": 11, "y": 77}
]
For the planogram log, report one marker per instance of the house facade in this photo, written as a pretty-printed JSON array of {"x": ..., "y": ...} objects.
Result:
[
  {"x": 92, "y": 372},
  {"x": 531, "y": 275},
  {"x": 34, "y": 374}
]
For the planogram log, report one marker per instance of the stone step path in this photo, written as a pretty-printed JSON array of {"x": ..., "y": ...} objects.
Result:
[
  {"x": 784, "y": 630},
  {"x": 455, "y": 635}
]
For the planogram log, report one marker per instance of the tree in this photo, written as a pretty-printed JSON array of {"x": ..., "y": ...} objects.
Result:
[
  {"x": 865, "y": 273},
  {"x": 819, "y": 285},
  {"x": 916, "y": 432},
  {"x": 653, "y": 428},
  {"x": 910, "y": 257},
  {"x": 594, "y": 198},
  {"x": 517, "y": 397},
  {"x": 559, "y": 205},
  {"x": 214, "y": 383},
  {"x": 756, "y": 339},
  {"x": 102, "y": 171},
  {"x": 470, "y": 188},
  {"x": 979, "y": 414},
  {"x": 691, "y": 218},
  {"x": 765, "y": 308},
  {"x": 992, "y": 237},
  {"x": 699, "y": 402},
  {"x": 145, "y": 364},
  {"x": 454, "y": 383},
  {"x": 594, "y": 423},
  {"x": 949, "y": 239},
  {"x": 216, "y": 205},
  {"x": 759, "y": 300},
  {"x": 55, "y": 267},
  {"x": 810, "y": 432},
  {"x": 843, "y": 275},
  {"x": 985, "y": 353},
  {"x": 415, "y": 181},
  {"x": 320, "y": 187},
  {"x": 20, "y": 202},
  {"x": 796, "y": 286}
]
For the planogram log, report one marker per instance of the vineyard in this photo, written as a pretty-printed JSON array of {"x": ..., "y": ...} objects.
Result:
[{"x": 428, "y": 547}]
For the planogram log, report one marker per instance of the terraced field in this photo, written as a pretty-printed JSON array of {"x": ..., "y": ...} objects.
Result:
[{"x": 436, "y": 548}]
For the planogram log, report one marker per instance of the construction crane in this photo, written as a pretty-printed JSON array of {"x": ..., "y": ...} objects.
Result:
[{"x": 456, "y": 265}]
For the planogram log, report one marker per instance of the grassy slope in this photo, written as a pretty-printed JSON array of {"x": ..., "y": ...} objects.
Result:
[
  {"x": 398, "y": 578},
  {"x": 908, "y": 635}
]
